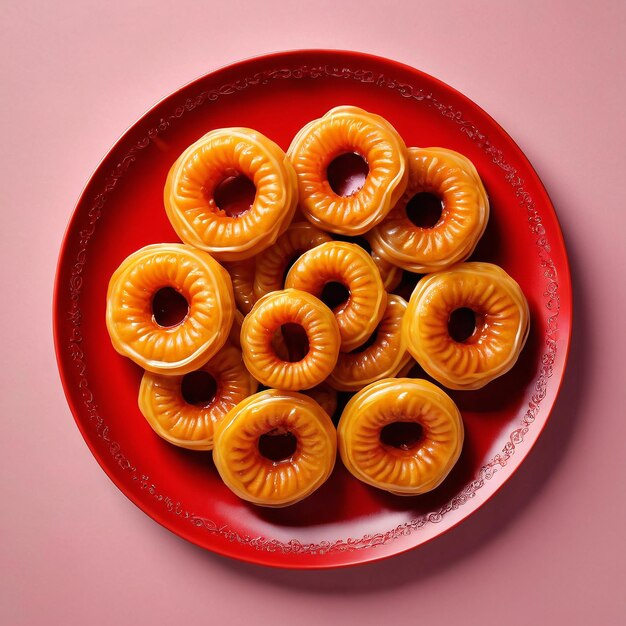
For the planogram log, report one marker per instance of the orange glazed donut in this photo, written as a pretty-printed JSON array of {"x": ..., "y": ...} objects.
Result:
[
  {"x": 187, "y": 418},
  {"x": 134, "y": 289},
  {"x": 500, "y": 320},
  {"x": 242, "y": 277},
  {"x": 384, "y": 357},
  {"x": 270, "y": 479},
  {"x": 390, "y": 273},
  {"x": 403, "y": 435},
  {"x": 349, "y": 265},
  {"x": 345, "y": 130},
  {"x": 290, "y": 307},
  {"x": 453, "y": 179},
  {"x": 272, "y": 263},
  {"x": 219, "y": 156}
]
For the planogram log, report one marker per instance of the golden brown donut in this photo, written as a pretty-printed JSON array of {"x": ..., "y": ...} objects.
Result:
[
  {"x": 290, "y": 306},
  {"x": 271, "y": 264},
  {"x": 350, "y": 265},
  {"x": 268, "y": 481},
  {"x": 130, "y": 320},
  {"x": 384, "y": 357},
  {"x": 501, "y": 324},
  {"x": 242, "y": 277},
  {"x": 215, "y": 157},
  {"x": 465, "y": 211},
  {"x": 405, "y": 467},
  {"x": 172, "y": 417},
  {"x": 344, "y": 130}
]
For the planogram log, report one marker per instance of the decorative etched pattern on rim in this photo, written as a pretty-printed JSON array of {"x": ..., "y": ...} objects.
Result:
[{"x": 551, "y": 296}]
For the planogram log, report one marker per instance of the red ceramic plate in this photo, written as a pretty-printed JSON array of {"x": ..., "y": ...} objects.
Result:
[{"x": 121, "y": 209}]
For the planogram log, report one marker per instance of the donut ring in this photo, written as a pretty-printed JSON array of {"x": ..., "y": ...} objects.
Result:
[
  {"x": 404, "y": 471},
  {"x": 390, "y": 273},
  {"x": 242, "y": 277},
  {"x": 342, "y": 130},
  {"x": 502, "y": 324},
  {"x": 272, "y": 263},
  {"x": 130, "y": 321},
  {"x": 350, "y": 265},
  {"x": 325, "y": 396},
  {"x": 259, "y": 480},
  {"x": 384, "y": 358},
  {"x": 218, "y": 155},
  {"x": 453, "y": 178},
  {"x": 190, "y": 425},
  {"x": 290, "y": 306}
]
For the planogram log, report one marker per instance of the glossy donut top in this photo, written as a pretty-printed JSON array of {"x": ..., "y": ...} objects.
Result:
[
  {"x": 384, "y": 358},
  {"x": 129, "y": 317},
  {"x": 409, "y": 470},
  {"x": 192, "y": 180},
  {"x": 191, "y": 426},
  {"x": 353, "y": 267},
  {"x": 349, "y": 129},
  {"x": 502, "y": 324},
  {"x": 261, "y": 350},
  {"x": 465, "y": 211},
  {"x": 258, "y": 479}
]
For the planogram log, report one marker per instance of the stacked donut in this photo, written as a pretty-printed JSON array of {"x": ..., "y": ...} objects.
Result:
[{"x": 294, "y": 291}]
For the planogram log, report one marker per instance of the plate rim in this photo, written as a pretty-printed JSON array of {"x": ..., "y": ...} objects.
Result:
[{"x": 256, "y": 556}]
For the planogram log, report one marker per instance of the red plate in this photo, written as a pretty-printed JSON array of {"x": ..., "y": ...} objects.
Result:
[{"x": 121, "y": 209}]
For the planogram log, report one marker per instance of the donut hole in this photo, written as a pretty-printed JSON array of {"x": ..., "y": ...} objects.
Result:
[
  {"x": 334, "y": 294},
  {"x": 424, "y": 209},
  {"x": 169, "y": 307},
  {"x": 296, "y": 341},
  {"x": 462, "y": 324},
  {"x": 198, "y": 388},
  {"x": 277, "y": 445},
  {"x": 235, "y": 194},
  {"x": 401, "y": 435},
  {"x": 346, "y": 173}
]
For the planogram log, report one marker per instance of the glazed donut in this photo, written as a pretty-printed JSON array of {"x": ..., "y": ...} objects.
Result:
[
  {"x": 325, "y": 396},
  {"x": 130, "y": 319},
  {"x": 221, "y": 154},
  {"x": 344, "y": 130},
  {"x": 501, "y": 318},
  {"x": 242, "y": 277},
  {"x": 265, "y": 481},
  {"x": 290, "y": 306},
  {"x": 402, "y": 467},
  {"x": 350, "y": 265},
  {"x": 190, "y": 425},
  {"x": 272, "y": 263},
  {"x": 465, "y": 210},
  {"x": 384, "y": 357}
]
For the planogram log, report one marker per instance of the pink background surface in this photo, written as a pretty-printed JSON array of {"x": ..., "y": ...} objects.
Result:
[{"x": 549, "y": 547}]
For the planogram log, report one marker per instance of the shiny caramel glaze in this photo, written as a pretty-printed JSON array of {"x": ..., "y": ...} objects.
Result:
[
  {"x": 465, "y": 211},
  {"x": 187, "y": 425},
  {"x": 181, "y": 348},
  {"x": 502, "y": 324},
  {"x": 350, "y": 265},
  {"x": 259, "y": 480},
  {"x": 349, "y": 129},
  {"x": 192, "y": 181},
  {"x": 410, "y": 470},
  {"x": 384, "y": 358},
  {"x": 242, "y": 277},
  {"x": 290, "y": 306}
]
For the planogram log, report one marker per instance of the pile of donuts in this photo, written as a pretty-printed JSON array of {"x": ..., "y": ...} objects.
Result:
[{"x": 254, "y": 289}]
